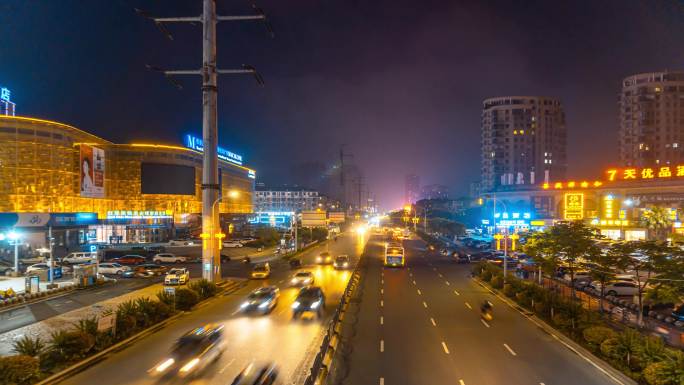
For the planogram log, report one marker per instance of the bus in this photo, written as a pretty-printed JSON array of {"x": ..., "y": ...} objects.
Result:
[{"x": 394, "y": 255}]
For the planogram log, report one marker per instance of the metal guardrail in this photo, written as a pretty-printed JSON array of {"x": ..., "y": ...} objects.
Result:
[{"x": 321, "y": 364}]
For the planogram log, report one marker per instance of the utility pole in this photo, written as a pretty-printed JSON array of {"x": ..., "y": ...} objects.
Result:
[{"x": 211, "y": 231}]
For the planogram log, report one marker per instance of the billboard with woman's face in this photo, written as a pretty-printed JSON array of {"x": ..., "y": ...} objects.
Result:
[{"x": 92, "y": 171}]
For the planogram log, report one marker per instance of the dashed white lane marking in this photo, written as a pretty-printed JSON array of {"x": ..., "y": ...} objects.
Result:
[
  {"x": 410, "y": 274},
  {"x": 382, "y": 320},
  {"x": 382, "y": 303},
  {"x": 456, "y": 292},
  {"x": 414, "y": 281},
  {"x": 382, "y": 282},
  {"x": 468, "y": 305},
  {"x": 447, "y": 283},
  {"x": 510, "y": 350},
  {"x": 419, "y": 292},
  {"x": 382, "y": 291},
  {"x": 433, "y": 322},
  {"x": 382, "y": 346},
  {"x": 446, "y": 350},
  {"x": 541, "y": 383},
  {"x": 382, "y": 381},
  {"x": 484, "y": 322},
  {"x": 223, "y": 369},
  {"x": 69, "y": 301},
  {"x": 460, "y": 382},
  {"x": 434, "y": 268},
  {"x": 281, "y": 281},
  {"x": 440, "y": 275},
  {"x": 424, "y": 304}
]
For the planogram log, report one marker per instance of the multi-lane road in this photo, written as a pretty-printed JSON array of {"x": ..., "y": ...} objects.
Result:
[
  {"x": 421, "y": 325},
  {"x": 275, "y": 337}
]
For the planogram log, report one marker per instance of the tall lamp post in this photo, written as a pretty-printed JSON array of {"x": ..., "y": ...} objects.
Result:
[{"x": 14, "y": 237}]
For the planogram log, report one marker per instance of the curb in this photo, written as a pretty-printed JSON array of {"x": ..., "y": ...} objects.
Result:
[
  {"x": 82, "y": 365},
  {"x": 229, "y": 287},
  {"x": 605, "y": 368}
]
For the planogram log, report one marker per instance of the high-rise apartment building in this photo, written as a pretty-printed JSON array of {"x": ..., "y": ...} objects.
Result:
[
  {"x": 434, "y": 191},
  {"x": 523, "y": 141},
  {"x": 411, "y": 189},
  {"x": 652, "y": 119}
]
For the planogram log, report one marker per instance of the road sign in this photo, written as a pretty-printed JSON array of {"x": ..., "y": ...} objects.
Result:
[
  {"x": 170, "y": 290},
  {"x": 93, "y": 248}
]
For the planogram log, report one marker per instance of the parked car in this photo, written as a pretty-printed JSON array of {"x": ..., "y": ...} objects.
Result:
[
  {"x": 341, "y": 262},
  {"x": 581, "y": 278},
  {"x": 184, "y": 242},
  {"x": 263, "y": 299},
  {"x": 324, "y": 258},
  {"x": 37, "y": 268},
  {"x": 150, "y": 270},
  {"x": 232, "y": 243},
  {"x": 177, "y": 276},
  {"x": 112, "y": 268},
  {"x": 79, "y": 258},
  {"x": 617, "y": 288},
  {"x": 462, "y": 258},
  {"x": 168, "y": 258},
  {"x": 129, "y": 259},
  {"x": 253, "y": 374},
  {"x": 309, "y": 300},
  {"x": 5, "y": 268},
  {"x": 261, "y": 271}
]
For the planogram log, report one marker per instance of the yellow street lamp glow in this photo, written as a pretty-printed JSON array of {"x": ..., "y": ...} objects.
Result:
[
  {"x": 407, "y": 208},
  {"x": 233, "y": 194},
  {"x": 498, "y": 238}
]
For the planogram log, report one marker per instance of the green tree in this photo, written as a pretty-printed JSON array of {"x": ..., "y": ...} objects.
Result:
[
  {"x": 645, "y": 258},
  {"x": 670, "y": 371},
  {"x": 658, "y": 220},
  {"x": 603, "y": 270},
  {"x": 18, "y": 370}
]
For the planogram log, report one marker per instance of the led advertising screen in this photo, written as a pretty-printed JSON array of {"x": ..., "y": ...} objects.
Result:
[
  {"x": 92, "y": 162},
  {"x": 159, "y": 178}
]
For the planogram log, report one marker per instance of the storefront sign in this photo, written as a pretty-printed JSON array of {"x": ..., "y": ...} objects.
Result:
[
  {"x": 135, "y": 214},
  {"x": 646, "y": 173},
  {"x": 251, "y": 174},
  {"x": 223, "y": 154},
  {"x": 92, "y": 171},
  {"x": 5, "y": 94},
  {"x": 72, "y": 219},
  {"x": 574, "y": 206}
]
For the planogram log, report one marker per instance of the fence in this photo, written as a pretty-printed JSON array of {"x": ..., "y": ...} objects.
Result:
[{"x": 321, "y": 364}]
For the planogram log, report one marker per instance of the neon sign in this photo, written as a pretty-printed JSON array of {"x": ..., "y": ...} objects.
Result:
[
  {"x": 574, "y": 206},
  {"x": 223, "y": 154},
  {"x": 664, "y": 172},
  {"x": 136, "y": 214},
  {"x": 5, "y": 94}
]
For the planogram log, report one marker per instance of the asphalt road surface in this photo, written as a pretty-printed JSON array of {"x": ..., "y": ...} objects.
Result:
[
  {"x": 17, "y": 317},
  {"x": 274, "y": 337},
  {"x": 421, "y": 325}
]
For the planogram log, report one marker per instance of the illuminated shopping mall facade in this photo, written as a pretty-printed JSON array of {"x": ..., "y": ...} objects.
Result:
[
  {"x": 137, "y": 192},
  {"x": 615, "y": 203}
]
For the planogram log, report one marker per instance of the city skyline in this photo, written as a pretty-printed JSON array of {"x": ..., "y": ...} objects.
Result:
[{"x": 543, "y": 58}]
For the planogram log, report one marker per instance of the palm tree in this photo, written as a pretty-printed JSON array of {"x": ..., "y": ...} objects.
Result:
[
  {"x": 29, "y": 346},
  {"x": 658, "y": 220}
]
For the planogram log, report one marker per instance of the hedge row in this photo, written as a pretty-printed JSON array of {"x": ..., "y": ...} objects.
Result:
[
  {"x": 37, "y": 359},
  {"x": 9, "y": 297},
  {"x": 646, "y": 359}
]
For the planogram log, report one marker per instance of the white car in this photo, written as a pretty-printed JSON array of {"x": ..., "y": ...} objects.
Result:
[
  {"x": 232, "y": 244},
  {"x": 168, "y": 258},
  {"x": 79, "y": 258},
  {"x": 37, "y": 267},
  {"x": 619, "y": 288},
  {"x": 302, "y": 278},
  {"x": 177, "y": 276},
  {"x": 183, "y": 242},
  {"x": 113, "y": 268}
]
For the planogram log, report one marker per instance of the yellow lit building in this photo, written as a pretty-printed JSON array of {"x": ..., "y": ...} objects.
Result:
[{"x": 42, "y": 169}]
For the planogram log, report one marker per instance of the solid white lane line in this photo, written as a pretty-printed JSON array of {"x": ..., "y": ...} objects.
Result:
[
  {"x": 456, "y": 292},
  {"x": 419, "y": 292},
  {"x": 468, "y": 305},
  {"x": 382, "y": 320},
  {"x": 382, "y": 346},
  {"x": 223, "y": 369},
  {"x": 424, "y": 304},
  {"x": 510, "y": 350},
  {"x": 446, "y": 350},
  {"x": 484, "y": 322},
  {"x": 382, "y": 303},
  {"x": 382, "y": 381},
  {"x": 433, "y": 321},
  {"x": 447, "y": 282}
]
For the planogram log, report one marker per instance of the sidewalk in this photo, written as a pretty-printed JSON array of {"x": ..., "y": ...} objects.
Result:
[{"x": 43, "y": 328}]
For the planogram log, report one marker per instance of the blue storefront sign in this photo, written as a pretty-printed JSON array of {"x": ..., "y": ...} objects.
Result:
[
  {"x": 47, "y": 219},
  {"x": 223, "y": 154}
]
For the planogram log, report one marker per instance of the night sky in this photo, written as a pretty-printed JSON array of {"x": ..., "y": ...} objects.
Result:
[{"x": 400, "y": 82}]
